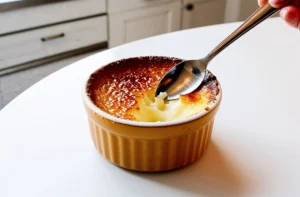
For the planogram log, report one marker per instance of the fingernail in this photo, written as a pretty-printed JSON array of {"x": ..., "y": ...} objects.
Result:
[{"x": 283, "y": 13}]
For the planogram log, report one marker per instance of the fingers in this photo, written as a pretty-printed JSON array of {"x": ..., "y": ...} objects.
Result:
[
  {"x": 262, "y": 2},
  {"x": 290, "y": 10},
  {"x": 296, "y": 3},
  {"x": 279, "y": 3},
  {"x": 291, "y": 14}
]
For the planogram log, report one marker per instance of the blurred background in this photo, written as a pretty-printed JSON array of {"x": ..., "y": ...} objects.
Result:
[{"x": 38, "y": 37}]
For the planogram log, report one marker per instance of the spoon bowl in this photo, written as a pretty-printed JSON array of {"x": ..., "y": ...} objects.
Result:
[{"x": 183, "y": 78}]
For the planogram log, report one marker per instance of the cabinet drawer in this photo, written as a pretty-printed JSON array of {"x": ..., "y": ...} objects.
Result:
[
  {"x": 117, "y": 5},
  {"x": 48, "y": 14},
  {"x": 37, "y": 44}
]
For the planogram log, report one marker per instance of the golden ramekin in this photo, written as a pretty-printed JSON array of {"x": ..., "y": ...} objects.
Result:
[{"x": 147, "y": 146}]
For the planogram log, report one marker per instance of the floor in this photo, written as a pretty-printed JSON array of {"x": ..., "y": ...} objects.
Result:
[{"x": 12, "y": 85}]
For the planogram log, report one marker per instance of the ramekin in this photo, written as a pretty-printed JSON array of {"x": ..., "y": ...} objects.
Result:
[{"x": 148, "y": 146}]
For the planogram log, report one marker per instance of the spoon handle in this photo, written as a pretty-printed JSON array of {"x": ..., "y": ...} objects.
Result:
[{"x": 260, "y": 15}]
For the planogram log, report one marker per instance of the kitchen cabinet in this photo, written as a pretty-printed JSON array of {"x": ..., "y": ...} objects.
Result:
[
  {"x": 49, "y": 14},
  {"x": 131, "y": 25},
  {"x": 138, "y": 19},
  {"x": 197, "y": 13},
  {"x": 25, "y": 47},
  {"x": 238, "y": 10},
  {"x": 246, "y": 9},
  {"x": 115, "y": 22},
  {"x": 121, "y": 5},
  {"x": 40, "y": 33}
]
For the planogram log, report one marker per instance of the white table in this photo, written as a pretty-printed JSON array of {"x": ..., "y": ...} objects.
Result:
[{"x": 46, "y": 150}]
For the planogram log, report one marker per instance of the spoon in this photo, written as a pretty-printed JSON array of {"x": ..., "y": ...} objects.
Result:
[{"x": 188, "y": 75}]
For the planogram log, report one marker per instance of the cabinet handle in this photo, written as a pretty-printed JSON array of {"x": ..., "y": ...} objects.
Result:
[
  {"x": 189, "y": 7},
  {"x": 47, "y": 38}
]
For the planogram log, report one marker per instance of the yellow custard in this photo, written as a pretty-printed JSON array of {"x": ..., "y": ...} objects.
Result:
[{"x": 126, "y": 89}]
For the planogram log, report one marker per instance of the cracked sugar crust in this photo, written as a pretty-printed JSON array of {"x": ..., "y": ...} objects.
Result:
[{"x": 116, "y": 87}]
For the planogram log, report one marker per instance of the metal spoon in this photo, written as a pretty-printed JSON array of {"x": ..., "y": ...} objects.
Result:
[{"x": 186, "y": 76}]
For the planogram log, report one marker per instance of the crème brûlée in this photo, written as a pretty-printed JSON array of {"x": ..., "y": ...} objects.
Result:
[{"x": 126, "y": 89}]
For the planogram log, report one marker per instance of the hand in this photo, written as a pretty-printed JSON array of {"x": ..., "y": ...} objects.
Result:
[{"x": 289, "y": 10}]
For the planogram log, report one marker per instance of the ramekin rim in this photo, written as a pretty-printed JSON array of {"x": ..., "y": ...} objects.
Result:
[{"x": 87, "y": 100}]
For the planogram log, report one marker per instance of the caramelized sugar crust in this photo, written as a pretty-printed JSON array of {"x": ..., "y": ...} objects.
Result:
[{"x": 116, "y": 87}]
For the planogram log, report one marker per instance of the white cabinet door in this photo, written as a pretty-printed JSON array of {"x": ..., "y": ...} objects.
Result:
[
  {"x": 141, "y": 23},
  {"x": 239, "y": 10},
  {"x": 121, "y": 5},
  {"x": 246, "y": 9},
  {"x": 197, "y": 13}
]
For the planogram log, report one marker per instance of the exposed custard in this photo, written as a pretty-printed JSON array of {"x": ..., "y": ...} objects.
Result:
[{"x": 122, "y": 88}]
